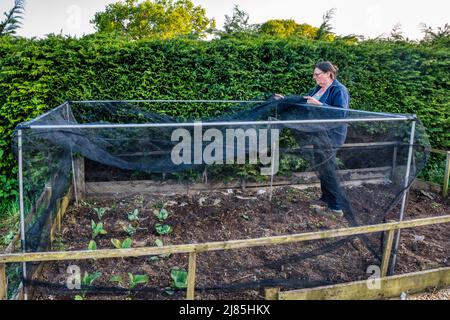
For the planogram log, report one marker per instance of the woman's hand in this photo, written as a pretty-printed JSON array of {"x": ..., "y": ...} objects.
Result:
[
  {"x": 311, "y": 100},
  {"x": 277, "y": 96}
]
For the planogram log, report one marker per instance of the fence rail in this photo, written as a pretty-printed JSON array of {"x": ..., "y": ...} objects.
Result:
[{"x": 195, "y": 248}]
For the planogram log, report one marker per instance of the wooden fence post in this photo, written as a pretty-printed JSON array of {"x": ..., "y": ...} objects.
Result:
[
  {"x": 389, "y": 239},
  {"x": 190, "y": 292},
  {"x": 446, "y": 176},
  {"x": 3, "y": 282},
  {"x": 79, "y": 179}
]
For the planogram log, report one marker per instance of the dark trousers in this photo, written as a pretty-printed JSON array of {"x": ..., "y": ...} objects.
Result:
[
  {"x": 323, "y": 159},
  {"x": 325, "y": 164}
]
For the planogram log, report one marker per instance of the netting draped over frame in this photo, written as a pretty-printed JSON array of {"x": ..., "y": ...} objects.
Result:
[{"x": 341, "y": 145}]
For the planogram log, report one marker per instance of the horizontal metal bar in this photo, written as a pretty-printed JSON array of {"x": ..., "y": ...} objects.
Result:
[
  {"x": 373, "y": 144},
  {"x": 210, "y": 124},
  {"x": 169, "y": 101},
  {"x": 214, "y": 246},
  {"x": 402, "y": 116},
  {"x": 347, "y": 145},
  {"x": 241, "y": 101}
]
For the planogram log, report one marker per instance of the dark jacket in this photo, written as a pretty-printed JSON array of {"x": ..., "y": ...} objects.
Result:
[{"x": 335, "y": 96}]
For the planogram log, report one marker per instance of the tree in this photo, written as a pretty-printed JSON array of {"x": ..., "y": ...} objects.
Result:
[
  {"x": 397, "y": 33},
  {"x": 439, "y": 37},
  {"x": 12, "y": 21},
  {"x": 154, "y": 19},
  {"x": 324, "y": 31},
  {"x": 238, "y": 22},
  {"x": 287, "y": 28},
  {"x": 290, "y": 28}
]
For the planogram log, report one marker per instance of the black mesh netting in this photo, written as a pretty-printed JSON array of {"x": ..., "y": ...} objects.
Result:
[{"x": 264, "y": 143}]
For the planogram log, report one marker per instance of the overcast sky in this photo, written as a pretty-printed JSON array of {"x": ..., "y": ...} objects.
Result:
[{"x": 370, "y": 18}]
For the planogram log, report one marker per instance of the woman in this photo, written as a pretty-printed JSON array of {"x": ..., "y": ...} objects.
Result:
[{"x": 328, "y": 92}]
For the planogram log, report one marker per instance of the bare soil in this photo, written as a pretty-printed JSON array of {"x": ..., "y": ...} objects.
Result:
[{"x": 244, "y": 273}]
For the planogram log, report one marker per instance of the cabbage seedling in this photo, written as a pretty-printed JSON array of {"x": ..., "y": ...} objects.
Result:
[
  {"x": 134, "y": 215},
  {"x": 130, "y": 230},
  {"x": 162, "y": 214},
  {"x": 97, "y": 228},
  {"x": 179, "y": 277},
  {"x": 136, "y": 279},
  {"x": 88, "y": 280},
  {"x": 92, "y": 245},
  {"x": 163, "y": 229},
  {"x": 100, "y": 212},
  {"x": 125, "y": 244}
]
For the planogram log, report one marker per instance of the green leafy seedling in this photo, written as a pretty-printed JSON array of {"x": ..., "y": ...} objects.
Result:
[
  {"x": 89, "y": 279},
  {"x": 159, "y": 243},
  {"x": 134, "y": 215},
  {"x": 130, "y": 230},
  {"x": 179, "y": 277},
  {"x": 163, "y": 229},
  {"x": 117, "y": 279},
  {"x": 78, "y": 297},
  {"x": 97, "y": 228},
  {"x": 100, "y": 212},
  {"x": 136, "y": 279},
  {"x": 162, "y": 214},
  {"x": 125, "y": 244},
  {"x": 92, "y": 245}
]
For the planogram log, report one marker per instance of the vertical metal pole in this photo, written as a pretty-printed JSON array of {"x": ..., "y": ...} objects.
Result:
[
  {"x": 405, "y": 192},
  {"x": 22, "y": 211},
  {"x": 272, "y": 170},
  {"x": 446, "y": 176},
  {"x": 272, "y": 151}
]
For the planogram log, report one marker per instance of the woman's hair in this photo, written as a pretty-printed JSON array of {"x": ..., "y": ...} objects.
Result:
[{"x": 327, "y": 66}]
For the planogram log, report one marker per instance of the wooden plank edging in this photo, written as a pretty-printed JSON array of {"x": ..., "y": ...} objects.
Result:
[
  {"x": 308, "y": 179},
  {"x": 386, "y": 287}
]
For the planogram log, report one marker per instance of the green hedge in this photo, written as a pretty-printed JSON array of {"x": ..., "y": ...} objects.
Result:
[{"x": 36, "y": 75}]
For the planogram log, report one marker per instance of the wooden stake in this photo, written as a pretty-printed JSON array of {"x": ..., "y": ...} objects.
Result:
[
  {"x": 446, "y": 175},
  {"x": 190, "y": 292},
  {"x": 79, "y": 179},
  {"x": 387, "y": 252},
  {"x": 3, "y": 282}
]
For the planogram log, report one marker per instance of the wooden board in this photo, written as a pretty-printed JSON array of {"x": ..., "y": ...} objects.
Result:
[
  {"x": 387, "y": 287},
  {"x": 298, "y": 180}
]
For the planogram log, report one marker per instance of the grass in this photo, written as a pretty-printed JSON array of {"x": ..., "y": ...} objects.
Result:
[{"x": 9, "y": 221}]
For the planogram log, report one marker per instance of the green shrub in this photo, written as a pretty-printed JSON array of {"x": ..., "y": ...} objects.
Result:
[{"x": 37, "y": 75}]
